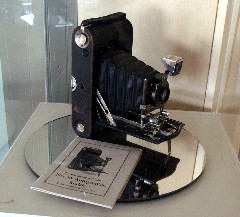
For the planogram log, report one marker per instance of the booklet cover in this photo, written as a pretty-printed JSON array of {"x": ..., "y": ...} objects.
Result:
[{"x": 90, "y": 171}]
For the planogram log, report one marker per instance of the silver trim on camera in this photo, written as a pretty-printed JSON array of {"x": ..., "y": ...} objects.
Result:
[
  {"x": 172, "y": 60},
  {"x": 81, "y": 38},
  {"x": 73, "y": 83}
]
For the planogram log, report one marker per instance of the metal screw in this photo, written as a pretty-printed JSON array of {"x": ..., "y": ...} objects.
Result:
[
  {"x": 83, "y": 39},
  {"x": 80, "y": 127},
  {"x": 80, "y": 39}
]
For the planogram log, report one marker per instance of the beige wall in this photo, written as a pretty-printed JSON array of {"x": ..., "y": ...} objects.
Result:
[
  {"x": 229, "y": 95},
  {"x": 183, "y": 28}
]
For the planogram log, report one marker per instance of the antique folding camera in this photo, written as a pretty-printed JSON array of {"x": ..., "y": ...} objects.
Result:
[
  {"x": 114, "y": 94},
  {"x": 113, "y": 89}
]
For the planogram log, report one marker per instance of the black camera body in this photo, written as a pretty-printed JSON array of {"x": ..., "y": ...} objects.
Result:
[{"x": 113, "y": 89}]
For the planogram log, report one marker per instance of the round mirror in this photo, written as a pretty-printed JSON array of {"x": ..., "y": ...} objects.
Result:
[{"x": 162, "y": 170}]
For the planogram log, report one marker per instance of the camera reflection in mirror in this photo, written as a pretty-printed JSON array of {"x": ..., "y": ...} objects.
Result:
[{"x": 192, "y": 160}]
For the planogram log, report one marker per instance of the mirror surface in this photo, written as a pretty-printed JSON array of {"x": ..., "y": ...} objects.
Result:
[{"x": 167, "y": 168}]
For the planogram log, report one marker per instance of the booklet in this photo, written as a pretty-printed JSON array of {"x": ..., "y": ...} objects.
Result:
[{"x": 90, "y": 171}]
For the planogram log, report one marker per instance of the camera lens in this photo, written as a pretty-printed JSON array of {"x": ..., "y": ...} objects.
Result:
[
  {"x": 160, "y": 94},
  {"x": 164, "y": 95}
]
